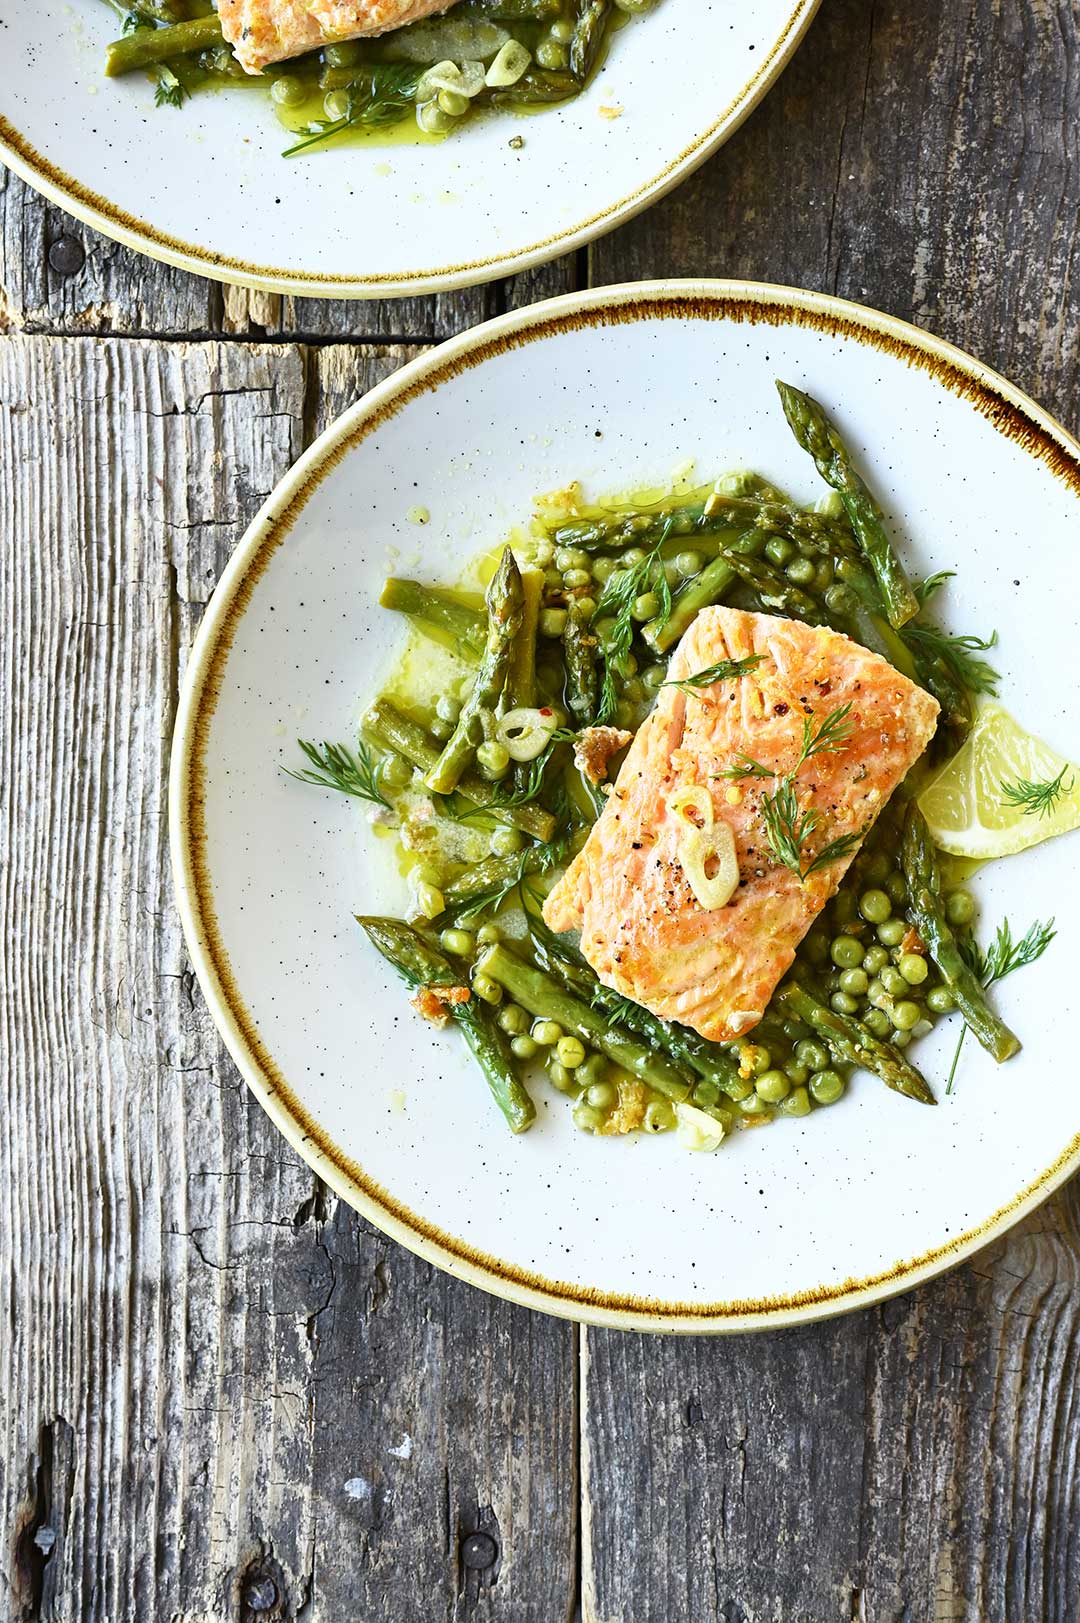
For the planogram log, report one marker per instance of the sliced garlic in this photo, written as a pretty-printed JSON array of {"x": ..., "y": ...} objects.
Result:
[
  {"x": 526, "y": 733},
  {"x": 696, "y": 1130},
  {"x": 705, "y": 849},
  {"x": 692, "y": 797}
]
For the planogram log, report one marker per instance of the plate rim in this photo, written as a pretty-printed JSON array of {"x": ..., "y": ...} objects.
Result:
[
  {"x": 32, "y": 166},
  {"x": 1012, "y": 412}
]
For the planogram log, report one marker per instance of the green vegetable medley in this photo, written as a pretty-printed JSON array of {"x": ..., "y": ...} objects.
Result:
[
  {"x": 488, "y": 798},
  {"x": 516, "y": 54}
]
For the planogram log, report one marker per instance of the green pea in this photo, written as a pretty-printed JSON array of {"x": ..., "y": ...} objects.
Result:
[
  {"x": 646, "y": 607},
  {"x": 753, "y": 1105},
  {"x": 602, "y": 568},
  {"x": 940, "y": 1000},
  {"x": 844, "y": 908},
  {"x": 288, "y": 91},
  {"x": 430, "y": 900},
  {"x": 587, "y": 1117},
  {"x": 576, "y": 578},
  {"x": 689, "y": 563},
  {"x": 523, "y": 1048},
  {"x": 812, "y": 1054},
  {"x": 336, "y": 105},
  {"x": 562, "y": 1079},
  {"x": 801, "y": 571},
  {"x": 396, "y": 772},
  {"x": 586, "y": 607},
  {"x": 706, "y": 1093},
  {"x": 633, "y": 558},
  {"x": 552, "y": 622},
  {"x": 440, "y": 730},
  {"x": 571, "y": 1052},
  {"x": 854, "y": 982},
  {"x": 594, "y": 1069},
  {"x": 846, "y": 952},
  {"x": 488, "y": 934},
  {"x": 487, "y": 990},
  {"x": 906, "y": 1015},
  {"x": 461, "y": 944},
  {"x": 875, "y": 906},
  {"x": 772, "y": 1087},
  {"x": 514, "y": 1020},
  {"x": 546, "y": 1033},
  {"x": 345, "y": 55},
  {"x": 552, "y": 54},
  {"x": 754, "y": 1059},
  {"x": 816, "y": 946},
  {"x": 493, "y": 759},
  {"x": 796, "y": 1073},
  {"x": 571, "y": 558},
  {"x": 875, "y": 960},
  {"x": 913, "y": 968},
  {"x": 659, "y": 1116},
  {"x": 826, "y": 1086},
  {"x": 603, "y": 1095},
  {"x": 797, "y": 1103},
  {"x": 553, "y": 578},
  {"x": 877, "y": 1021},
  {"x": 505, "y": 842},
  {"x": 840, "y": 599},
  {"x": 654, "y": 677},
  {"x": 900, "y": 1039},
  {"x": 739, "y": 1088},
  {"x": 823, "y": 575},
  {"x": 896, "y": 886},
  {"x": 892, "y": 932},
  {"x": 841, "y": 1003},
  {"x": 780, "y": 550},
  {"x": 877, "y": 868},
  {"x": 960, "y": 908},
  {"x": 893, "y": 982}
]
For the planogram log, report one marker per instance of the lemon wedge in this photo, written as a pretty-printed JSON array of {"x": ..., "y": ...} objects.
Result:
[{"x": 971, "y": 805}]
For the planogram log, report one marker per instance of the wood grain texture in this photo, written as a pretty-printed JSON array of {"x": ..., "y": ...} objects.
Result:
[
  {"x": 113, "y": 290},
  {"x": 216, "y": 1384},
  {"x": 205, "y": 1362}
]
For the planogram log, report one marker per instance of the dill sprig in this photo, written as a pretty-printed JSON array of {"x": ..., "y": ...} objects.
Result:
[
  {"x": 925, "y": 589},
  {"x": 534, "y": 860},
  {"x": 1036, "y": 799},
  {"x": 788, "y": 827},
  {"x": 745, "y": 766},
  {"x": 1001, "y": 958},
  {"x": 334, "y": 766},
  {"x": 725, "y": 670},
  {"x": 384, "y": 99},
  {"x": 621, "y": 591},
  {"x": 835, "y": 731},
  {"x": 169, "y": 92},
  {"x": 959, "y": 655}
]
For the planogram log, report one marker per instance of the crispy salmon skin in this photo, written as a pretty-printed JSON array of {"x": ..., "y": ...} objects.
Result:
[
  {"x": 265, "y": 31},
  {"x": 642, "y": 928}
]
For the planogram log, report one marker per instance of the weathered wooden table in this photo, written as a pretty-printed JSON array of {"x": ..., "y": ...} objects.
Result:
[{"x": 223, "y": 1396}]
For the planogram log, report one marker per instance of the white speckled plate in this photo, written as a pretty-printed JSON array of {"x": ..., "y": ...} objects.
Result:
[
  {"x": 206, "y": 187},
  {"x": 617, "y": 387}
]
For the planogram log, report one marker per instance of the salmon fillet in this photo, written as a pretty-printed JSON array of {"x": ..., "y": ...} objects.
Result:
[
  {"x": 265, "y": 31},
  {"x": 642, "y": 928}
]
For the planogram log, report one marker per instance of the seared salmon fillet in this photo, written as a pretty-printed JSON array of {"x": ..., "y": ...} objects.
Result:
[
  {"x": 643, "y": 929},
  {"x": 264, "y": 31}
]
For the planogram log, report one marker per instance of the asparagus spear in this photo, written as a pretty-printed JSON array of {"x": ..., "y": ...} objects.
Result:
[
  {"x": 391, "y": 728},
  {"x": 684, "y": 1048},
  {"x": 521, "y": 677},
  {"x": 431, "y": 609},
  {"x": 590, "y": 26},
  {"x": 697, "y": 594},
  {"x": 496, "y": 875},
  {"x": 774, "y": 589},
  {"x": 817, "y": 435},
  {"x": 543, "y": 997},
  {"x": 579, "y": 653},
  {"x": 145, "y": 46},
  {"x": 506, "y": 607},
  {"x": 418, "y": 962},
  {"x": 928, "y": 916},
  {"x": 851, "y": 1043}
]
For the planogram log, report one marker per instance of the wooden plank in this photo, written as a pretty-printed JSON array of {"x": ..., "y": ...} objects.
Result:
[
  {"x": 207, "y": 1365},
  {"x": 915, "y": 1462},
  {"x": 918, "y": 155},
  {"x": 59, "y": 276}
]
